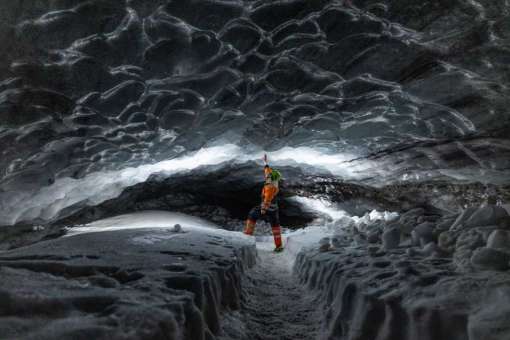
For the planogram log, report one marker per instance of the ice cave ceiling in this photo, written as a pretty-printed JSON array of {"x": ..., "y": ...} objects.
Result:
[{"x": 395, "y": 90}]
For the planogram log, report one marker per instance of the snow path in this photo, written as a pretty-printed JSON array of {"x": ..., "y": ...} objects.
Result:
[{"x": 275, "y": 305}]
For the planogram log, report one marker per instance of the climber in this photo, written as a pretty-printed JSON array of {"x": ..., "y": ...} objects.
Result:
[{"x": 269, "y": 207}]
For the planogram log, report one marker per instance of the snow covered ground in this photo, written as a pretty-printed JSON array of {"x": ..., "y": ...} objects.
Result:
[
  {"x": 131, "y": 277},
  {"x": 198, "y": 281},
  {"x": 366, "y": 286}
]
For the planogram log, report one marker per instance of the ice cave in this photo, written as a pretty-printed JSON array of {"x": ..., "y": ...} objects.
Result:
[{"x": 255, "y": 170}]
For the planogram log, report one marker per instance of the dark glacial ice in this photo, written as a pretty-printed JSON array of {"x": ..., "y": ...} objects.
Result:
[{"x": 121, "y": 119}]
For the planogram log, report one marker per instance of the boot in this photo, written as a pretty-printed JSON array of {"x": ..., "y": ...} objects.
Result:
[{"x": 277, "y": 234}]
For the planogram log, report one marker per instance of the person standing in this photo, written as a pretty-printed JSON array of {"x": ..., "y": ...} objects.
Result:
[{"x": 268, "y": 209}]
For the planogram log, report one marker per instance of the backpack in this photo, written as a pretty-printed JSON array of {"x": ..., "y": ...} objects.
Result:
[{"x": 276, "y": 175}]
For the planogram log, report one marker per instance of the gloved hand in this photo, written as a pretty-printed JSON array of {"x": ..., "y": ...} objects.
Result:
[{"x": 263, "y": 211}]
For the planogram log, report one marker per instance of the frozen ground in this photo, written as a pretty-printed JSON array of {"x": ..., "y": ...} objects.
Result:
[
  {"x": 275, "y": 305},
  {"x": 196, "y": 281},
  {"x": 147, "y": 219},
  {"x": 413, "y": 276},
  {"x": 131, "y": 283},
  {"x": 381, "y": 276}
]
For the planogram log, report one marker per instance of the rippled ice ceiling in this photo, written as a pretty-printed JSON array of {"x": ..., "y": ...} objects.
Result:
[{"x": 414, "y": 89}]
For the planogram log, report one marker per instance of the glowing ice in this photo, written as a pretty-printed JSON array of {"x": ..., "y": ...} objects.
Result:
[
  {"x": 333, "y": 213},
  {"x": 100, "y": 186},
  {"x": 338, "y": 163},
  {"x": 322, "y": 206},
  {"x": 46, "y": 203}
]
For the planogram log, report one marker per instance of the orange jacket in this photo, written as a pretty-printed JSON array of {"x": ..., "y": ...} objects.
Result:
[{"x": 269, "y": 191}]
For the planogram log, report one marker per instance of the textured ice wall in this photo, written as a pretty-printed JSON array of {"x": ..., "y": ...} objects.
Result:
[
  {"x": 91, "y": 85},
  {"x": 420, "y": 277},
  {"x": 416, "y": 91}
]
